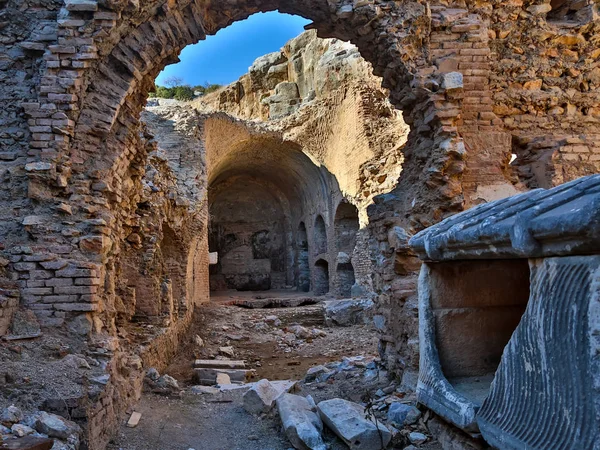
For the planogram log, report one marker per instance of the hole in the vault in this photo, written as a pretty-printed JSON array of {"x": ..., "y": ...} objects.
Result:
[
  {"x": 477, "y": 305},
  {"x": 201, "y": 68}
]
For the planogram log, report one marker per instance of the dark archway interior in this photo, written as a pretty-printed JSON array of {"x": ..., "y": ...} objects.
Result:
[
  {"x": 320, "y": 236},
  {"x": 346, "y": 279},
  {"x": 321, "y": 277},
  {"x": 247, "y": 230},
  {"x": 346, "y": 227},
  {"x": 303, "y": 264},
  {"x": 259, "y": 187}
]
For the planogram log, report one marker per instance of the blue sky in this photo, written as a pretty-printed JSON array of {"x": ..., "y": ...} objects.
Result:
[{"x": 225, "y": 57}]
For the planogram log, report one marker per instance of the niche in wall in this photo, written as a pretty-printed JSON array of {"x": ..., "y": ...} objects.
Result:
[
  {"x": 320, "y": 236},
  {"x": 302, "y": 264},
  {"x": 321, "y": 277}
]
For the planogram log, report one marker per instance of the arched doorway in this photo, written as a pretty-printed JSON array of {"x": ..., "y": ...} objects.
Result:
[
  {"x": 321, "y": 277},
  {"x": 303, "y": 265},
  {"x": 320, "y": 236},
  {"x": 346, "y": 226}
]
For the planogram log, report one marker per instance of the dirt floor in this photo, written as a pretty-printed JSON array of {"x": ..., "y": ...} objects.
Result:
[
  {"x": 279, "y": 344},
  {"x": 274, "y": 352}
]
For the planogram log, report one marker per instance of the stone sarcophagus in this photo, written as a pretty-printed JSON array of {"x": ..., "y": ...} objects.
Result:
[{"x": 509, "y": 316}]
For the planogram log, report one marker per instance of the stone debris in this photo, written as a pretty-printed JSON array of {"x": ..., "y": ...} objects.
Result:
[
  {"x": 300, "y": 332},
  {"x": 208, "y": 376},
  {"x": 261, "y": 397},
  {"x": 317, "y": 373},
  {"x": 417, "y": 438},
  {"x": 134, "y": 419},
  {"x": 10, "y": 416},
  {"x": 273, "y": 321},
  {"x": 21, "y": 430},
  {"x": 301, "y": 423},
  {"x": 227, "y": 351},
  {"x": 161, "y": 384},
  {"x": 56, "y": 426},
  {"x": 205, "y": 390},
  {"x": 400, "y": 414},
  {"x": 344, "y": 313},
  {"x": 152, "y": 374},
  {"x": 223, "y": 378},
  {"x": 348, "y": 421},
  {"x": 76, "y": 362},
  {"x": 219, "y": 364}
]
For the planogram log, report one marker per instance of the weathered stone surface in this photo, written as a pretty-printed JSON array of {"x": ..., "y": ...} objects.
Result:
[
  {"x": 301, "y": 423},
  {"x": 348, "y": 421},
  {"x": 348, "y": 312},
  {"x": 10, "y": 416},
  {"x": 261, "y": 397},
  {"x": 56, "y": 426},
  {"x": 400, "y": 414},
  {"x": 315, "y": 373}
]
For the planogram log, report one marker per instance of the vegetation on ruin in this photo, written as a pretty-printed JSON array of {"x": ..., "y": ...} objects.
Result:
[{"x": 174, "y": 88}]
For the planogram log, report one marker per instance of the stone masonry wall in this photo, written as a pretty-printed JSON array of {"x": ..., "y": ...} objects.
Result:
[{"x": 75, "y": 78}]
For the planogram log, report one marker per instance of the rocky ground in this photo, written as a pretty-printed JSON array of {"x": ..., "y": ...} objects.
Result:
[
  {"x": 277, "y": 344},
  {"x": 317, "y": 353}
]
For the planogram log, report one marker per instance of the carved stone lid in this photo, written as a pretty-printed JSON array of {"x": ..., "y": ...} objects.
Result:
[{"x": 564, "y": 220}]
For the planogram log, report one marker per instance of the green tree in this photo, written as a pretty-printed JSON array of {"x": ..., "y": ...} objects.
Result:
[{"x": 183, "y": 93}]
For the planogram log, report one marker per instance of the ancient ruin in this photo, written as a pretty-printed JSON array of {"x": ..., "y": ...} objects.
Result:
[{"x": 126, "y": 223}]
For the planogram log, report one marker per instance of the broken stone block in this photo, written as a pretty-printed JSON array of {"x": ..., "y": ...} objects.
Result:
[
  {"x": 227, "y": 351},
  {"x": 417, "y": 438},
  {"x": 219, "y": 364},
  {"x": 315, "y": 373},
  {"x": 345, "y": 313},
  {"x": 208, "y": 376},
  {"x": 300, "y": 331},
  {"x": 21, "y": 430},
  {"x": 56, "y": 426},
  {"x": 452, "y": 80},
  {"x": 153, "y": 374},
  {"x": 11, "y": 415},
  {"x": 223, "y": 378},
  {"x": 273, "y": 321},
  {"x": 400, "y": 414},
  {"x": 204, "y": 390},
  {"x": 301, "y": 424},
  {"x": 261, "y": 398},
  {"x": 347, "y": 420},
  {"x": 167, "y": 381},
  {"x": 76, "y": 362},
  {"x": 134, "y": 420}
]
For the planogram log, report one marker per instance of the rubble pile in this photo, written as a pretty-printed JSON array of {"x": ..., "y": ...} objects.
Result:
[{"x": 39, "y": 431}]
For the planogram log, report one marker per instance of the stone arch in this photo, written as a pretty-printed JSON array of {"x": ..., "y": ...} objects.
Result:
[
  {"x": 302, "y": 264},
  {"x": 346, "y": 225},
  {"x": 321, "y": 277},
  {"x": 345, "y": 278},
  {"x": 320, "y": 236},
  {"x": 128, "y": 48}
]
